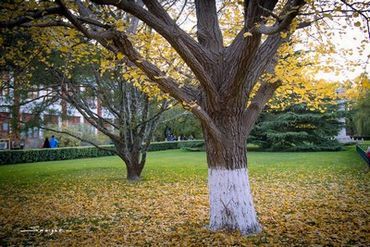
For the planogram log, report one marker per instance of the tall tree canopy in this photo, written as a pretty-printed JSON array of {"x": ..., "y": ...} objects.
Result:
[{"x": 217, "y": 69}]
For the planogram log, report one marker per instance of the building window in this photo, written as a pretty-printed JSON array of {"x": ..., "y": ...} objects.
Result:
[{"x": 5, "y": 126}]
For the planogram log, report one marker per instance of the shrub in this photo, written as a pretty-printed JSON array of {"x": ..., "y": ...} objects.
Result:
[
  {"x": 36, "y": 155},
  {"x": 193, "y": 146},
  {"x": 158, "y": 146}
]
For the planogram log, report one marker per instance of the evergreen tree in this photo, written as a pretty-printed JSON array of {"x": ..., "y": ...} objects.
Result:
[{"x": 297, "y": 128}]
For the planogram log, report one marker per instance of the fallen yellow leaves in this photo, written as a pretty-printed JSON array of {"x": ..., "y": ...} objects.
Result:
[{"x": 295, "y": 208}]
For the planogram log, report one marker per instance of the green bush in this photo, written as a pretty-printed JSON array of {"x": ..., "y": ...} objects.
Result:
[
  {"x": 193, "y": 146},
  {"x": 157, "y": 146},
  {"x": 37, "y": 155}
]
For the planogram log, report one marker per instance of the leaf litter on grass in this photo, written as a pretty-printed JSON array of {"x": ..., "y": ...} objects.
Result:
[{"x": 297, "y": 207}]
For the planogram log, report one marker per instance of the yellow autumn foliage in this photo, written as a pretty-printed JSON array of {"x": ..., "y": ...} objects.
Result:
[{"x": 357, "y": 88}]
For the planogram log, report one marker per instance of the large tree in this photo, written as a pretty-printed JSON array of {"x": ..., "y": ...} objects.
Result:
[{"x": 229, "y": 93}]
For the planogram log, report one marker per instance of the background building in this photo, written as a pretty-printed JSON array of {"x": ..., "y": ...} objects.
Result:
[{"x": 19, "y": 108}]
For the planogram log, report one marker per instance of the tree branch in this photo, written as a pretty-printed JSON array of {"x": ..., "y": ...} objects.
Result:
[
  {"x": 83, "y": 108},
  {"x": 290, "y": 11},
  {"x": 29, "y": 16},
  {"x": 308, "y": 23},
  {"x": 190, "y": 51},
  {"x": 265, "y": 59},
  {"x": 360, "y": 12},
  {"x": 242, "y": 51},
  {"x": 57, "y": 23},
  {"x": 254, "y": 9},
  {"x": 73, "y": 19},
  {"x": 263, "y": 95},
  {"x": 164, "y": 108},
  {"x": 208, "y": 29},
  {"x": 165, "y": 83},
  {"x": 94, "y": 22}
]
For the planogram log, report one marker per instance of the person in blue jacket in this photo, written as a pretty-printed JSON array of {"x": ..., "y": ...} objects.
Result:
[{"x": 53, "y": 142}]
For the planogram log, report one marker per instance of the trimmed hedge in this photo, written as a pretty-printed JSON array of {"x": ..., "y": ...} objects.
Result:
[
  {"x": 158, "y": 146},
  {"x": 196, "y": 146},
  {"x": 37, "y": 155},
  {"x": 199, "y": 146}
]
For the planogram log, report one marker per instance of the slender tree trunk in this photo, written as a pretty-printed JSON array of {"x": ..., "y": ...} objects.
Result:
[
  {"x": 133, "y": 165},
  {"x": 63, "y": 104},
  {"x": 133, "y": 172},
  {"x": 16, "y": 114},
  {"x": 230, "y": 199}
]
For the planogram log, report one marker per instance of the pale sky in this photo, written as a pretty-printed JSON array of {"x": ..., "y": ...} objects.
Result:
[{"x": 351, "y": 40}]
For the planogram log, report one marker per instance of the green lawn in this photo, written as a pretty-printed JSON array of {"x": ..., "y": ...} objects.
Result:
[{"x": 301, "y": 199}]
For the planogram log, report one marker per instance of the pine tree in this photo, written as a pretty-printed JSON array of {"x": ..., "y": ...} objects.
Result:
[{"x": 297, "y": 128}]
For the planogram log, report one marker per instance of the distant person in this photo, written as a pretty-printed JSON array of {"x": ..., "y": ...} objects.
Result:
[
  {"x": 22, "y": 144},
  {"x": 368, "y": 152},
  {"x": 172, "y": 138},
  {"x": 53, "y": 142},
  {"x": 46, "y": 143},
  {"x": 167, "y": 133}
]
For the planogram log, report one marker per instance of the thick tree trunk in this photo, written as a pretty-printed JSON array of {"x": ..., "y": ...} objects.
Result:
[{"x": 230, "y": 199}]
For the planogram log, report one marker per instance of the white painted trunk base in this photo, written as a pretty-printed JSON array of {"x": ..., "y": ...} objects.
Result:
[{"x": 230, "y": 200}]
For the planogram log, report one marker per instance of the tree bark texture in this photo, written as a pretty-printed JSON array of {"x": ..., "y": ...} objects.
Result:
[
  {"x": 230, "y": 199},
  {"x": 134, "y": 159},
  {"x": 134, "y": 166}
]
